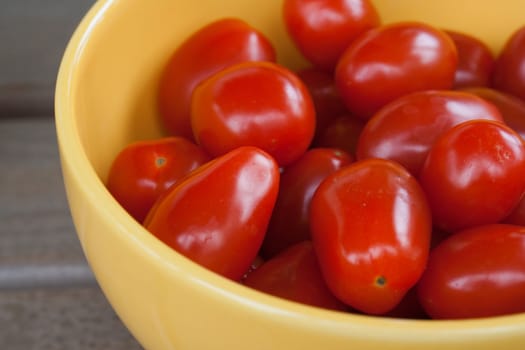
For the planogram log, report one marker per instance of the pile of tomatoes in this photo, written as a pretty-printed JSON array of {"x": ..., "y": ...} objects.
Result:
[{"x": 386, "y": 178}]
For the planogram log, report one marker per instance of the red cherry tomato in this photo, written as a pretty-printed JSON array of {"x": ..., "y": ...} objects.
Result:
[
  {"x": 294, "y": 274},
  {"x": 508, "y": 74},
  {"x": 405, "y": 129},
  {"x": 143, "y": 170},
  {"x": 259, "y": 104},
  {"x": 512, "y": 108},
  {"x": 393, "y": 60},
  {"x": 475, "y": 60},
  {"x": 370, "y": 226},
  {"x": 343, "y": 133},
  {"x": 326, "y": 99},
  {"x": 210, "y": 49},
  {"x": 217, "y": 216},
  {"x": 322, "y": 29},
  {"x": 289, "y": 223},
  {"x": 473, "y": 174},
  {"x": 477, "y": 272}
]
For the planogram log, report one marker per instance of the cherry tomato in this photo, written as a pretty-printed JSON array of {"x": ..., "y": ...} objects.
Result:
[
  {"x": 217, "y": 215},
  {"x": 477, "y": 272},
  {"x": 326, "y": 99},
  {"x": 210, "y": 49},
  {"x": 294, "y": 274},
  {"x": 322, "y": 29},
  {"x": 512, "y": 108},
  {"x": 475, "y": 60},
  {"x": 143, "y": 170},
  {"x": 259, "y": 104},
  {"x": 343, "y": 133},
  {"x": 393, "y": 60},
  {"x": 371, "y": 227},
  {"x": 405, "y": 129},
  {"x": 508, "y": 74},
  {"x": 473, "y": 174},
  {"x": 289, "y": 223}
]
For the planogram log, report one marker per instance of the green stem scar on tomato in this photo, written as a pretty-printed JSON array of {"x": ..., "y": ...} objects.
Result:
[
  {"x": 160, "y": 161},
  {"x": 380, "y": 281},
  {"x": 143, "y": 170}
]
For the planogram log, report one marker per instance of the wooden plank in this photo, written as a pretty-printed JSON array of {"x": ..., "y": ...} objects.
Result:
[
  {"x": 33, "y": 36},
  {"x": 36, "y": 225},
  {"x": 48, "y": 295},
  {"x": 61, "y": 319}
]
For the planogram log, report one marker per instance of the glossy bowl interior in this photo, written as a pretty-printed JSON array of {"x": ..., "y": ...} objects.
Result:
[{"x": 105, "y": 98}]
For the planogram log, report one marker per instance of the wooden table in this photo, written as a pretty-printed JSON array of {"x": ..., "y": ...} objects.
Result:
[{"x": 49, "y": 298}]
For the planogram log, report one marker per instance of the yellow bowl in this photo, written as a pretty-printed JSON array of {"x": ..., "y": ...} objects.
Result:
[{"x": 105, "y": 98}]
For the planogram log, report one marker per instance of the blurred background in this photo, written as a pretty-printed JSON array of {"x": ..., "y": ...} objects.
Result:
[{"x": 48, "y": 297}]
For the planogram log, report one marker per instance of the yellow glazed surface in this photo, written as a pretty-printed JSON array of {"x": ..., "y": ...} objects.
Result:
[{"x": 105, "y": 98}]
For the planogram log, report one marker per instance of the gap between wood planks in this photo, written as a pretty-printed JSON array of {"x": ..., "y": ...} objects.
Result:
[{"x": 39, "y": 276}]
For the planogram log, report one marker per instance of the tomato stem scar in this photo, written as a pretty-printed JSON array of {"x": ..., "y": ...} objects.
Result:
[
  {"x": 380, "y": 281},
  {"x": 160, "y": 161}
]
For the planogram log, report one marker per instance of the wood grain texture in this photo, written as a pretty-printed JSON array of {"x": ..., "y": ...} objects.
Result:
[
  {"x": 48, "y": 296},
  {"x": 36, "y": 225}
]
